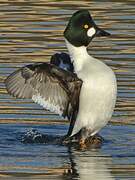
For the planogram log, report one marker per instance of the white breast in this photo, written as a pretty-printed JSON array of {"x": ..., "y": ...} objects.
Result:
[
  {"x": 97, "y": 97},
  {"x": 98, "y": 92}
]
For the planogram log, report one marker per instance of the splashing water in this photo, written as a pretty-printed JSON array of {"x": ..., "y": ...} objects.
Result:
[{"x": 33, "y": 136}]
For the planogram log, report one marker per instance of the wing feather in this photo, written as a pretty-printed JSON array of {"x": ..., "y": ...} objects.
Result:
[{"x": 47, "y": 85}]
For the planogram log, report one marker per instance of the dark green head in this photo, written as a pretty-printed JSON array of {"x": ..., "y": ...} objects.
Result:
[{"x": 81, "y": 29}]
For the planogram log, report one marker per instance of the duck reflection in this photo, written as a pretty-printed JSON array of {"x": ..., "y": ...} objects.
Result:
[{"x": 86, "y": 165}]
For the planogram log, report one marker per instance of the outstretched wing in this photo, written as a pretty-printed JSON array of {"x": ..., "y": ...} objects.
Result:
[{"x": 53, "y": 88}]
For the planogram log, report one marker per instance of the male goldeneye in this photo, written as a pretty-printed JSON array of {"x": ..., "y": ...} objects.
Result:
[{"x": 86, "y": 96}]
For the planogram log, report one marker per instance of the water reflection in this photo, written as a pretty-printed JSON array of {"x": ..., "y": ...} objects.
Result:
[
  {"x": 90, "y": 164},
  {"x": 82, "y": 164},
  {"x": 37, "y": 159}
]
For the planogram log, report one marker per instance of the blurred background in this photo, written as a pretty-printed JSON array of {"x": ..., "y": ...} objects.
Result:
[{"x": 32, "y": 31}]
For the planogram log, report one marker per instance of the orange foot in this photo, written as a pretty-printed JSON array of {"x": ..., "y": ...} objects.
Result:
[
  {"x": 92, "y": 141},
  {"x": 82, "y": 144}
]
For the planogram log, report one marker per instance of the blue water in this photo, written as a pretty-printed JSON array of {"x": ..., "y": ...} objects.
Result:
[{"x": 15, "y": 156}]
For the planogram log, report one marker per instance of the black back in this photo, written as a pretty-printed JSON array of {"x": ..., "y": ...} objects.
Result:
[{"x": 63, "y": 61}]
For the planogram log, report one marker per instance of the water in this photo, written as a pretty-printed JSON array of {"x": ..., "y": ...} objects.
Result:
[{"x": 31, "y": 31}]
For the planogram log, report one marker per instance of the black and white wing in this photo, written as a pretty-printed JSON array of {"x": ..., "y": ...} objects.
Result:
[{"x": 53, "y": 88}]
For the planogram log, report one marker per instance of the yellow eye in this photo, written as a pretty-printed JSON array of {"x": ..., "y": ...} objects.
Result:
[{"x": 86, "y": 26}]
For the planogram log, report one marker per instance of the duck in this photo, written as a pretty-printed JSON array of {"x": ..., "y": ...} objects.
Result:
[{"x": 84, "y": 90}]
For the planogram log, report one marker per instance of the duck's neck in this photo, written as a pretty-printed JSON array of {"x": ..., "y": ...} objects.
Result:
[{"x": 79, "y": 55}]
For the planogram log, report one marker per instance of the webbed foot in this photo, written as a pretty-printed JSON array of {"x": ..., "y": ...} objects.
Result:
[
  {"x": 83, "y": 140},
  {"x": 94, "y": 141}
]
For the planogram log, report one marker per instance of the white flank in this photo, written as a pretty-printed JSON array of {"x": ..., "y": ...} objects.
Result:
[
  {"x": 47, "y": 104},
  {"x": 91, "y": 32},
  {"x": 98, "y": 91}
]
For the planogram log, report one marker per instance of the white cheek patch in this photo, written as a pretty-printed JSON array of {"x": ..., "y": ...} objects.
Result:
[{"x": 91, "y": 32}]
